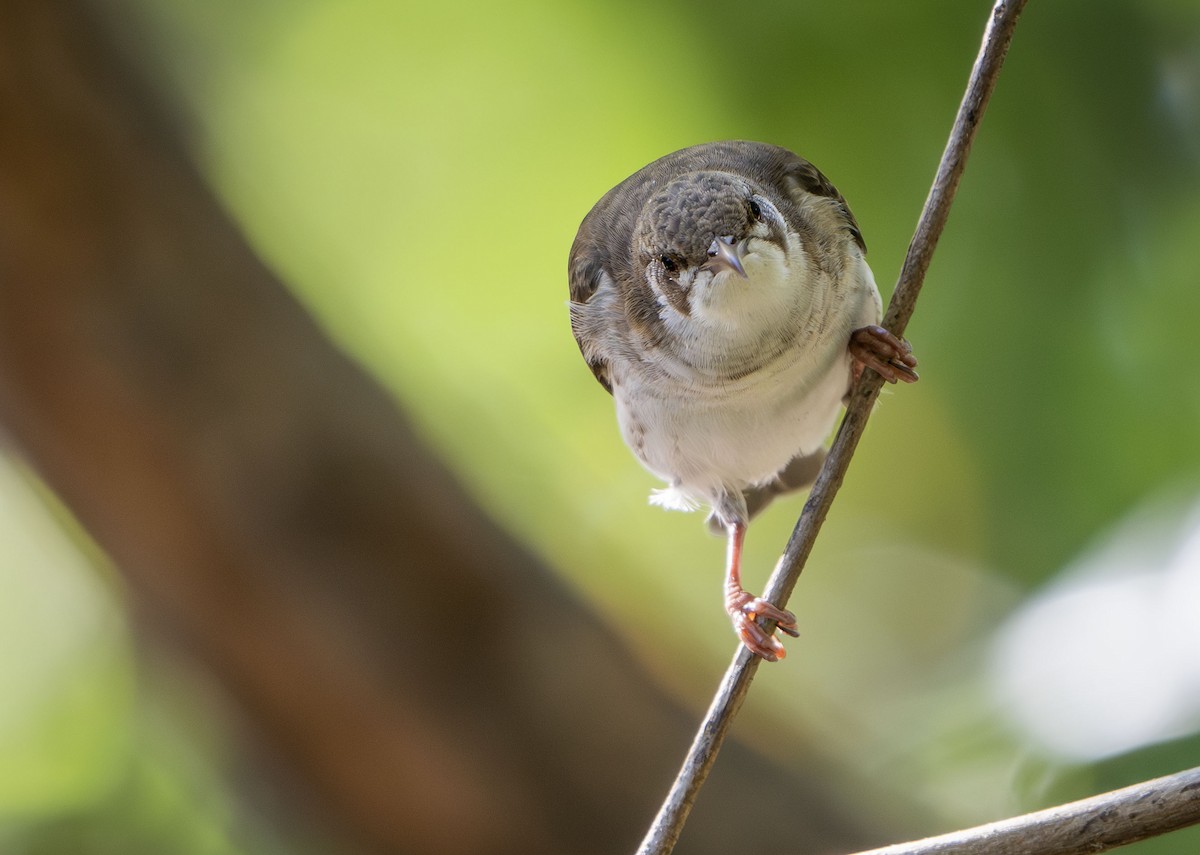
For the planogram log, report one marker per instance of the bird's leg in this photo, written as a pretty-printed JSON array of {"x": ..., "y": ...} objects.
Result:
[
  {"x": 874, "y": 347},
  {"x": 745, "y": 609}
]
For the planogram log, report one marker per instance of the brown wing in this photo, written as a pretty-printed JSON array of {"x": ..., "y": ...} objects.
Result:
[
  {"x": 600, "y": 258},
  {"x": 808, "y": 178},
  {"x": 584, "y": 277}
]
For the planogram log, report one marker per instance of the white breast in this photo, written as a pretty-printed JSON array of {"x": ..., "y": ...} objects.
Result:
[{"x": 710, "y": 434}]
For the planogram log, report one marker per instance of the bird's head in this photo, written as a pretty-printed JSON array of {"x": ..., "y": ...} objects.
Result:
[{"x": 709, "y": 242}]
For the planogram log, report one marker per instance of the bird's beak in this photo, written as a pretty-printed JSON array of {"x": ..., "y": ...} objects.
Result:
[{"x": 725, "y": 252}]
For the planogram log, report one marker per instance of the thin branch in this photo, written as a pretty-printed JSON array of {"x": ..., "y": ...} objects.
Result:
[
  {"x": 665, "y": 830},
  {"x": 1088, "y": 826}
]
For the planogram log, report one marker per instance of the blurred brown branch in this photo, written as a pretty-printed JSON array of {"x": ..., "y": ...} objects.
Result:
[
  {"x": 425, "y": 677},
  {"x": 1087, "y": 826},
  {"x": 664, "y": 832}
]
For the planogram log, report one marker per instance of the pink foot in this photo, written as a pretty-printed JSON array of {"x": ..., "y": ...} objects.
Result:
[
  {"x": 876, "y": 348},
  {"x": 745, "y": 609}
]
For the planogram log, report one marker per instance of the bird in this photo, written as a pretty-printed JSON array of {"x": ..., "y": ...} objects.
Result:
[{"x": 721, "y": 294}]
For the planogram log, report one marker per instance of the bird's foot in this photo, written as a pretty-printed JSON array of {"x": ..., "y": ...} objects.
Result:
[
  {"x": 876, "y": 348},
  {"x": 745, "y": 609}
]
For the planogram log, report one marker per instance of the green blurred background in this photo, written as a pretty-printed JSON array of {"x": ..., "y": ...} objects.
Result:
[{"x": 1002, "y": 610}]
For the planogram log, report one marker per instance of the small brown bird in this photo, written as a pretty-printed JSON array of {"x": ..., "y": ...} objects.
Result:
[{"x": 722, "y": 296}]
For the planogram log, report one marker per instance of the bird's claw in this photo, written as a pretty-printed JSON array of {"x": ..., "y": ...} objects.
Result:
[
  {"x": 891, "y": 357},
  {"x": 745, "y": 610}
]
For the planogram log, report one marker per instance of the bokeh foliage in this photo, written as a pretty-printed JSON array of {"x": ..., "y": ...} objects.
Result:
[{"x": 417, "y": 172}]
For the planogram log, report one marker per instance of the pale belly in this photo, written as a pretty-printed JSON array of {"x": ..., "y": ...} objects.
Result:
[
  {"x": 708, "y": 441},
  {"x": 711, "y": 438}
]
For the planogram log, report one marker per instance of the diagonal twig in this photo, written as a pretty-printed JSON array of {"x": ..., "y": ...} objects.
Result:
[
  {"x": 665, "y": 830},
  {"x": 1085, "y": 827}
]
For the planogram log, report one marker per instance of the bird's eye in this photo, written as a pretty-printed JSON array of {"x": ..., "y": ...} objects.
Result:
[
  {"x": 668, "y": 263},
  {"x": 755, "y": 210}
]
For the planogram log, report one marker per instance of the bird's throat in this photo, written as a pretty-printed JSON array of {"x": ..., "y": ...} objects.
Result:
[{"x": 737, "y": 319}]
